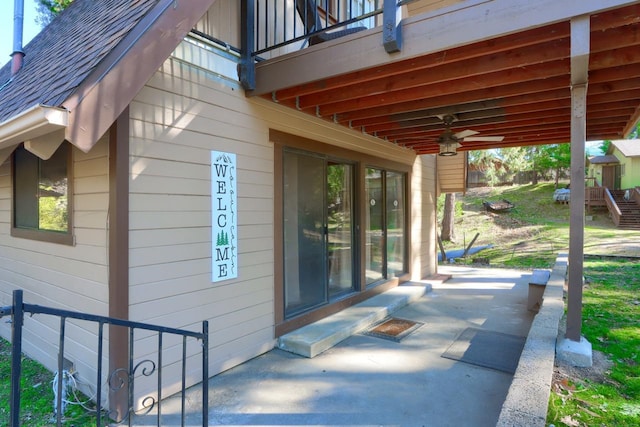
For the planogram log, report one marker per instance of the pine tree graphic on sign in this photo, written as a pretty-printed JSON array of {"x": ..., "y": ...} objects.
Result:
[{"x": 222, "y": 239}]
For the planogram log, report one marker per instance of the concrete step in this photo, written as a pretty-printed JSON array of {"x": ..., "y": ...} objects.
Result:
[{"x": 313, "y": 339}]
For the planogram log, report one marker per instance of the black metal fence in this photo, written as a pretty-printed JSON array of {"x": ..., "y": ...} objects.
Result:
[
  {"x": 269, "y": 25},
  {"x": 121, "y": 378},
  {"x": 282, "y": 22}
]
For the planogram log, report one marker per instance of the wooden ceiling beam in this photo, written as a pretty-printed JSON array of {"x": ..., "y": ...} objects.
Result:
[
  {"x": 624, "y": 41},
  {"x": 535, "y": 74},
  {"x": 519, "y": 135},
  {"x": 607, "y": 33},
  {"x": 614, "y": 58},
  {"x": 539, "y": 75},
  {"x": 614, "y": 38},
  {"x": 601, "y": 84},
  {"x": 543, "y": 117},
  {"x": 506, "y": 113},
  {"x": 498, "y": 93},
  {"x": 615, "y": 18},
  {"x": 609, "y": 113},
  {"x": 433, "y": 120},
  {"x": 475, "y": 50},
  {"x": 446, "y": 28},
  {"x": 618, "y": 104},
  {"x": 603, "y": 98},
  {"x": 467, "y": 69},
  {"x": 616, "y": 75},
  {"x": 558, "y": 138}
]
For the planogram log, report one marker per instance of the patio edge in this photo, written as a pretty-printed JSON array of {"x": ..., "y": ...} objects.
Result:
[{"x": 528, "y": 398}]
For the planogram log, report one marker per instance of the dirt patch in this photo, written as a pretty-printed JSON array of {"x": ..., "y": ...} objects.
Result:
[{"x": 565, "y": 375}]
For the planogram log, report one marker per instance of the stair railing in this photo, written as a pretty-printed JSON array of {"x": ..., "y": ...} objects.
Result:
[{"x": 616, "y": 214}]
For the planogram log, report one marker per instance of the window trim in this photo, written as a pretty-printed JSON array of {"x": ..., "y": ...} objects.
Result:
[{"x": 63, "y": 238}]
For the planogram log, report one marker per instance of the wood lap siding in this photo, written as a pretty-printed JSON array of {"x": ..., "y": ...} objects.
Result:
[
  {"x": 423, "y": 217},
  {"x": 452, "y": 173},
  {"x": 175, "y": 123},
  {"x": 182, "y": 114},
  {"x": 63, "y": 276}
]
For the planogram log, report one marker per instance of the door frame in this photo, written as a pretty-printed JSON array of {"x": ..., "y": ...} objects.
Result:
[{"x": 281, "y": 140}]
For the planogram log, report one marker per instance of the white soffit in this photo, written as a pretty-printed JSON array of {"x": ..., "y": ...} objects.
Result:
[{"x": 31, "y": 125}]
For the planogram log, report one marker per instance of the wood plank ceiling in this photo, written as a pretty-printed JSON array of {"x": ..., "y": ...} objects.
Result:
[{"x": 516, "y": 86}]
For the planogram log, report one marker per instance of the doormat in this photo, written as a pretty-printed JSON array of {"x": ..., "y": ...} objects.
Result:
[
  {"x": 393, "y": 328},
  {"x": 488, "y": 349}
]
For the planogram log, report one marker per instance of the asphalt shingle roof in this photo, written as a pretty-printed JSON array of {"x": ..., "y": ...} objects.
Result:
[
  {"x": 628, "y": 147},
  {"x": 600, "y": 160},
  {"x": 62, "y": 55}
]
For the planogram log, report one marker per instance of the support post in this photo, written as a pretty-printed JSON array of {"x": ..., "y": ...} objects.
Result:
[
  {"x": 392, "y": 30},
  {"x": 118, "y": 256},
  {"x": 247, "y": 67},
  {"x": 574, "y": 348},
  {"x": 580, "y": 33},
  {"x": 16, "y": 356},
  {"x": 205, "y": 373}
]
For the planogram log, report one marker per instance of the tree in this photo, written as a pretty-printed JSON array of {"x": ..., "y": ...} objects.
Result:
[
  {"x": 517, "y": 159},
  {"x": 448, "y": 217},
  {"x": 49, "y": 9},
  {"x": 554, "y": 157},
  {"x": 489, "y": 163}
]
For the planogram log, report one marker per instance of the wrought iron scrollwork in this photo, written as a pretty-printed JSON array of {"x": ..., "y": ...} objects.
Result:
[{"x": 121, "y": 378}]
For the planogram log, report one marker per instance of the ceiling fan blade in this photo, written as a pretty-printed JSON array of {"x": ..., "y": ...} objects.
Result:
[
  {"x": 484, "y": 139},
  {"x": 465, "y": 133}
]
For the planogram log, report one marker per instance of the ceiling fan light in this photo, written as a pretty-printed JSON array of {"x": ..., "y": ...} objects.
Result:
[{"x": 448, "y": 149}]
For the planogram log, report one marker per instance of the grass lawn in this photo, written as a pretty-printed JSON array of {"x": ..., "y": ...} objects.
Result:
[
  {"x": 611, "y": 323},
  {"x": 36, "y": 385},
  {"x": 530, "y": 236},
  {"x": 533, "y": 233}
]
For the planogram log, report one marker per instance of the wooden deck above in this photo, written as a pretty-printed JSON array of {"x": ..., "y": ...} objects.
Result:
[{"x": 502, "y": 68}]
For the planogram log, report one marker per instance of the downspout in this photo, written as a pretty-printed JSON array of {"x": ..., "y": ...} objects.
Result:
[{"x": 18, "y": 20}]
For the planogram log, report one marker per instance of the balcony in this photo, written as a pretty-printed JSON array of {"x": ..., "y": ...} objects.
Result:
[
  {"x": 282, "y": 26},
  {"x": 469, "y": 75}
]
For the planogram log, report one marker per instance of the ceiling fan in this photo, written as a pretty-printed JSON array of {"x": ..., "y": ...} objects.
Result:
[{"x": 450, "y": 141}]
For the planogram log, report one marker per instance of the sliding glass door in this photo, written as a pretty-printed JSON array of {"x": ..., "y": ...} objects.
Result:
[
  {"x": 318, "y": 231},
  {"x": 304, "y": 242},
  {"x": 385, "y": 243}
]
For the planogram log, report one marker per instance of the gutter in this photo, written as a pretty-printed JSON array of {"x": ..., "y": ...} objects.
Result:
[{"x": 35, "y": 122}]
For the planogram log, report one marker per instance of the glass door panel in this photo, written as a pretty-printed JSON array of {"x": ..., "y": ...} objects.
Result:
[
  {"x": 340, "y": 228},
  {"x": 374, "y": 226},
  {"x": 304, "y": 232},
  {"x": 395, "y": 224}
]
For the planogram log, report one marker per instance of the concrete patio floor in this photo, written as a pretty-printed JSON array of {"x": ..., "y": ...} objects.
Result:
[{"x": 369, "y": 381}]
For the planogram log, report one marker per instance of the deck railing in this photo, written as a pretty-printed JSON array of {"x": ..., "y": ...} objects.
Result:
[
  {"x": 635, "y": 195},
  {"x": 280, "y": 23},
  {"x": 616, "y": 214},
  {"x": 275, "y": 27},
  {"x": 594, "y": 196}
]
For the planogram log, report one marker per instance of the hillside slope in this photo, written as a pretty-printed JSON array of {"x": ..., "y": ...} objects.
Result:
[{"x": 534, "y": 231}]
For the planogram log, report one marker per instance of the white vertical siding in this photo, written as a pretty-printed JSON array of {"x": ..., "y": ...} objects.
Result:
[{"x": 62, "y": 276}]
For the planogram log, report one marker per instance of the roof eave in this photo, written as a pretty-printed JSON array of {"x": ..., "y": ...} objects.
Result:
[
  {"x": 137, "y": 57},
  {"x": 32, "y": 123}
]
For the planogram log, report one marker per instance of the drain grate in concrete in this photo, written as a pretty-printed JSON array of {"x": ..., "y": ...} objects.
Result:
[{"x": 393, "y": 328}]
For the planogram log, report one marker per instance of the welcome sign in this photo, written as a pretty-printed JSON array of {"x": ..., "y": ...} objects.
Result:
[{"x": 224, "y": 220}]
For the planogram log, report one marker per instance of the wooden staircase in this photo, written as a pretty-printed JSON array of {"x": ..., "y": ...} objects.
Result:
[{"x": 629, "y": 217}]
